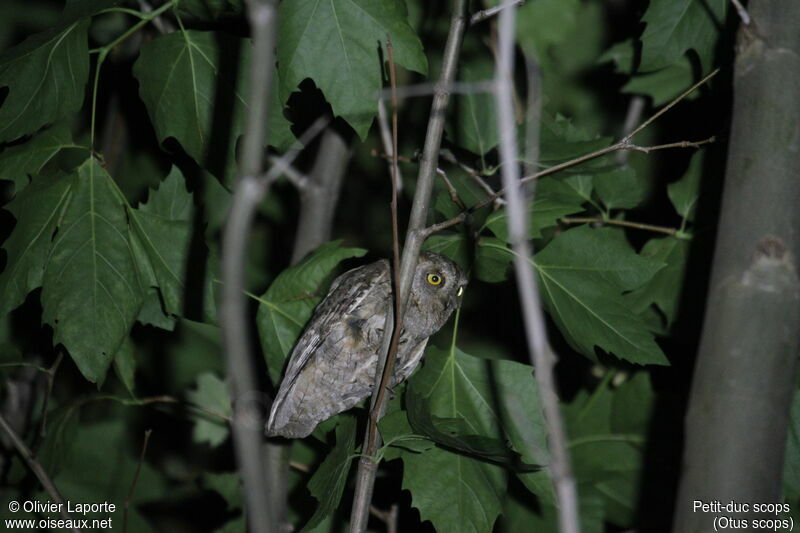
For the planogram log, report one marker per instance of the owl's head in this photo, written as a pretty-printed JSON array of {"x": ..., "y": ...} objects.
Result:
[{"x": 438, "y": 284}]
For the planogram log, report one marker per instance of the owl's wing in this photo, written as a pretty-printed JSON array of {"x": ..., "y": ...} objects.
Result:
[{"x": 347, "y": 293}]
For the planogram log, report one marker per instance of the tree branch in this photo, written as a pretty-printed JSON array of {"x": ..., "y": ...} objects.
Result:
[
  {"x": 745, "y": 375},
  {"x": 541, "y": 354},
  {"x": 623, "y": 144},
  {"x": 386, "y": 136},
  {"x": 367, "y": 468},
  {"x": 248, "y": 427},
  {"x": 484, "y": 14},
  {"x": 318, "y": 198},
  {"x": 37, "y": 469}
]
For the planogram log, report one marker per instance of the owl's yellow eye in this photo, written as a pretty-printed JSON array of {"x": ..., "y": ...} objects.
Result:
[{"x": 435, "y": 279}]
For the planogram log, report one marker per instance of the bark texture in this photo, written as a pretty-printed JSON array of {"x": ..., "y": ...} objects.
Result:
[{"x": 746, "y": 370}]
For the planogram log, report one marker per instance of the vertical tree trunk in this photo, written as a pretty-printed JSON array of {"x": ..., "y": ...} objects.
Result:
[{"x": 746, "y": 369}]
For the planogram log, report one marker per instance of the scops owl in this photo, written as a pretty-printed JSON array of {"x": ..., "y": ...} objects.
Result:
[{"x": 333, "y": 365}]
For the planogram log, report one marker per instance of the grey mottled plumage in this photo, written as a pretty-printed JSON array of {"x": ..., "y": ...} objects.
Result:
[{"x": 332, "y": 367}]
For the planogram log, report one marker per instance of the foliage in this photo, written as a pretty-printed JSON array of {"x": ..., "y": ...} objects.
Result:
[{"x": 120, "y": 149}]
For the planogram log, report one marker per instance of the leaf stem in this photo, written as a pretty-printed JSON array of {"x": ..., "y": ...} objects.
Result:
[
  {"x": 616, "y": 222},
  {"x": 105, "y": 50},
  {"x": 134, "y": 480},
  {"x": 124, "y": 10}
]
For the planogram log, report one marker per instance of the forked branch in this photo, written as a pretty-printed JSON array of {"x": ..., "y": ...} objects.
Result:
[
  {"x": 625, "y": 143},
  {"x": 415, "y": 235}
]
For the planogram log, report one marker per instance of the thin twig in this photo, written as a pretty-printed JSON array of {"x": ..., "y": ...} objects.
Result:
[
  {"x": 427, "y": 89},
  {"x": 386, "y": 136},
  {"x": 134, "y": 480},
  {"x": 622, "y": 144},
  {"x": 281, "y": 164},
  {"x": 678, "y": 144},
  {"x": 484, "y": 14},
  {"x": 474, "y": 175},
  {"x": 541, "y": 354},
  {"x": 367, "y": 468},
  {"x": 743, "y": 14},
  {"x": 376, "y": 411},
  {"x": 670, "y": 105},
  {"x": 632, "y": 117},
  {"x": 295, "y": 177},
  {"x": 388, "y": 156},
  {"x": 162, "y": 25},
  {"x": 37, "y": 469},
  {"x": 51, "y": 376},
  {"x": 450, "y": 189},
  {"x": 623, "y": 223},
  {"x": 248, "y": 428}
]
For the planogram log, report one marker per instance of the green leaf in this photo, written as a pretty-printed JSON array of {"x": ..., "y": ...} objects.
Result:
[
  {"x": 62, "y": 432},
  {"x": 151, "y": 313},
  {"x": 562, "y": 141},
  {"x": 606, "y": 449},
  {"x": 101, "y": 468},
  {"x": 398, "y": 435},
  {"x": 675, "y": 26},
  {"x": 46, "y": 75},
  {"x": 664, "y": 289},
  {"x": 468, "y": 191},
  {"x": 330, "y": 41},
  {"x": 288, "y": 303},
  {"x": 622, "y": 55},
  {"x": 523, "y": 422},
  {"x": 37, "y": 210},
  {"x": 211, "y": 394},
  {"x": 20, "y": 163},
  {"x": 492, "y": 260},
  {"x": 684, "y": 193},
  {"x": 580, "y": 186},
  {"x": 603, "y": 252},
  {"x": 327, "y": 483},
  {"x": 544, "y": 23},
  {"x": 211, "y": 9},
  {"x": 90, "y": 293},
  {"x": 495, "y": 399},
  {"x": 163, "y": 226},
  {"x": 632, "y": 406},
  {"x": 519, "y": 516},
  {"x": 78, "y": 9},
  {"x": 550, "y": 203},
  {"x": 619, "y": 189},
  {"x": 475, "y": 117},
  {"x": 455, "y": 492},
  {"x": 582, "y": 274},
  {"x": 452, "y": 245},
  {"x": 455, "y": 432},
  {"x": 665, "y": 84},
  {"x": 228, "y": 485},
  {"x": 195, "y": 96}
]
